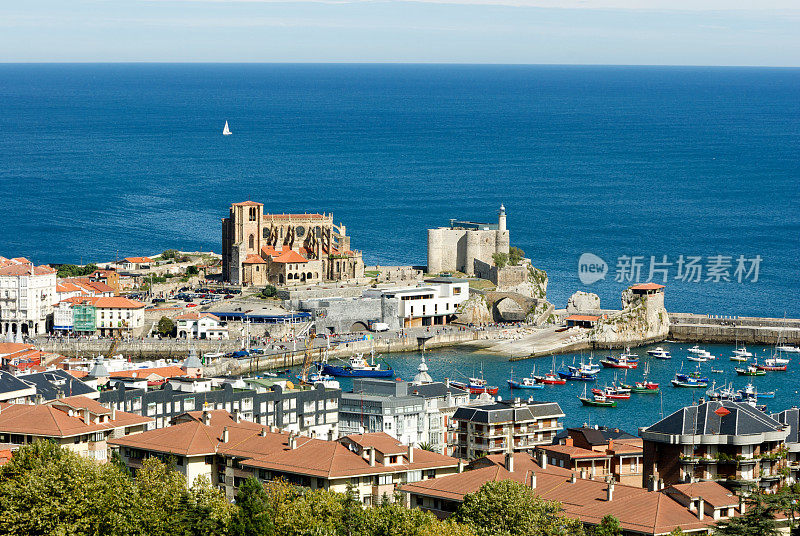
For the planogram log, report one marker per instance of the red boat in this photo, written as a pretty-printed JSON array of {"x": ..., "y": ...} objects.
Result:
[
  {"x": 770, "y": 365},
  {"x": 551, "y": 378},
  {"x": 647, "y": 385},
  {"x": 476, "y": 386},
  {"x": 612, "y": 394}
]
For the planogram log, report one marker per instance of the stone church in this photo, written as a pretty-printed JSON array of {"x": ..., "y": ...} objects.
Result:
[{"x": 285, "y": 249}]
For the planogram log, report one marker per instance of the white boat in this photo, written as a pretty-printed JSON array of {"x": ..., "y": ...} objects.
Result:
[
  {"x": 790, "y": 349},
  {"x": 695, "y": 350},
  {"x": 696, "y": 358},
  {"x": 627, "y": 354},
  {"x": 226, "y": 131},
  {"x": 742, "y": 352},
  {"x": 660, "y": 353},
  {"x": 707, "y": 355},
  {"x": 739, "y": 358}
]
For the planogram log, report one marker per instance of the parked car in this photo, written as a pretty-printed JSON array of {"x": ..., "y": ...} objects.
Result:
[{"x": 191, "y": 305}]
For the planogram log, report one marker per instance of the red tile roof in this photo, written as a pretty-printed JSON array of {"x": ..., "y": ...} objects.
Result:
[
  {"x": 51, "y": 421},
  {"x": 647, "y": 286},
  {"x": 7, "y": 348},
  {"x": 107, "y": 302},
  {"x": 583, "y": 318},
  {"x": 572, "y": 451},
  {"x": 290, "y": 256},
  {"x": 254, "y": 259},
  {"x": 25, "y": 269},
  {"x": 144, "y": 373},
  {"x": 138, "y": 260}
]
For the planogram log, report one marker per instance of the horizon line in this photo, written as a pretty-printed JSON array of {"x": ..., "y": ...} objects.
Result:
[{"x": 400, "y": 63}]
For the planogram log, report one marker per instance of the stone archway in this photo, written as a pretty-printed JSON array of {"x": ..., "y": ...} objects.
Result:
[{"x": 359, "y": 326}]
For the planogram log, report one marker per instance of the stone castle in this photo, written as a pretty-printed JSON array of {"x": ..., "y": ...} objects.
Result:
[
  {"x": 285, "y": 249},
  {"x": 457, "y": 247}
]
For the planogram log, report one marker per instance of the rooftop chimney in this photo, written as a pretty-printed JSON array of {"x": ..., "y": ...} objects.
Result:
[
  {"x": 263, "y": 432},
  {"x": 701, "y": 506},
  {"x": 410, "y": 454},
  {"x": 533, "y": 480},
  {"x": 583, "y": 473},
  {"x": 543, "y": 459},
  {"x": 573, "y": 478},
  {"x": 225, "y": 435},
  {"x": 206, "y": 418},
  {"x": 330, "y": 435},
  {"x": 742, "y": 505},
  {"x": 460, "y": 465},
  {"x": 610, "y": 490},
  {"x": 372, "y": 457},
  {"x": 569, "y": 441},
  {"x": 292, "y": 441},
  {"x": 510, "y": 462}
]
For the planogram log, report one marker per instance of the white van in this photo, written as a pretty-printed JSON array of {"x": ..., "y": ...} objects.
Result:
[{"x": 380, "y": 326}]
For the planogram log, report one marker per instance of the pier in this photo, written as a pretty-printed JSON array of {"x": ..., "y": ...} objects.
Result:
[{"x": 686, "y": 327}]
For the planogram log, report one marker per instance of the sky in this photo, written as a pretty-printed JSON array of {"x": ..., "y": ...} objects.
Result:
[{"x": 629, "y": 32}]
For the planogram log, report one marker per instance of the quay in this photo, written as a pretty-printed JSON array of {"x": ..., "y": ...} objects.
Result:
[{"x": 685, "y": 327}]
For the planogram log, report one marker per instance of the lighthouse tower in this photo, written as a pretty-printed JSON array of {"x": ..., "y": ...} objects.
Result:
[
  {"x": 502, "y": 240},
  {"x": 501, "y": 221}
]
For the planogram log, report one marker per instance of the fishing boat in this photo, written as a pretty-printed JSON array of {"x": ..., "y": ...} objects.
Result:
[
  {"x": 749, "y": 391},
  {"x": 590, "y": 367},
  {"x": 659, "y": 353},
  {"x": 696, "y": 358},
  {"x": 688, "y": 380},
  {"x": 708, "y": 355},
  {"x": 742, "y": 352},
  {"x": 739, "y": 358},
  {"x": 528, "y": 382},
  {"x": 620, "y": 362},
  {"x": 573, "y": 373},
  {"x": 551, "y": 378},
  {"x": 751, "y": 370},
  {"x": 476, "y": 386},
  {"x": 789, "y": 348},
  {"x": 629, "y": 355},
  {"x": 771, "y": 365},
  {"x": 598, "y": 401},
  {"x": 645, "y": 388},
  {"x": 358, "y": 367},
  {"x": 717, "y": 371},
  {"x": 612, "y": 393},
  {"x": 226, "y": 131},
  {"x": 695, "y": 350}
]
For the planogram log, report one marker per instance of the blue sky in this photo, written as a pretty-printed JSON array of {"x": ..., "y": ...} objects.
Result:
[{"x": 677, "y": 32}]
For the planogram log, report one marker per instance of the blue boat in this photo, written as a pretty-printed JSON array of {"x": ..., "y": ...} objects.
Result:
[
  {"x": 524, "y": 383},
  {"x": 357, "y": 367},
  {"x": 578, "y": 375}
]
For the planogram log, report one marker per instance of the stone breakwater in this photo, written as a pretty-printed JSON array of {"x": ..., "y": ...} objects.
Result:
[{"x": 687, "y": 327}]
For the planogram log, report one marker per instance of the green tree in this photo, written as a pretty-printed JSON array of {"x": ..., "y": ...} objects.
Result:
[
  {"x": 515, "y": 255},
  {"x": 192, "y": 270},
  {"x": 609, "y": 526},
  {"x": 72, "y": 270},
  {"x": 166, "y": 327},
  {"x": 508, "y": 508},
  {"x": 758, "y": 520},
  {"x": 426, "y": 446},
  {"x": 207, "y": 510},
  {"x": 500, "y": 259},
  {"x": 676, "y": 532},
  {"x": 169, "y": 254},
  {"x": 253, "y": 515},
  {"x": 269, "y": 291}
]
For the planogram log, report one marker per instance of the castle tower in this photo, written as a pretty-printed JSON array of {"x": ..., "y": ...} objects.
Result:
[
  {"x": 435, "y": 244},
  {"x": 473, "y": 251}
]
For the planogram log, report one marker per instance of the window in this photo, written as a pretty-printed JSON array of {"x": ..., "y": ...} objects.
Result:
[
  {"x": 384, "y": 480},
  {"x": 252, "y": 242},
  {"x": 188, "y": 404}
]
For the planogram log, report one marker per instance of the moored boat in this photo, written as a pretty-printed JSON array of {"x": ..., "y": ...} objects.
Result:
[
  {"x": 751, "y": 370},
  {"x": 551, "y": 378},
  {"x": 598, "y": 401},
  {"x": 620, "y": 362},
  {"x": 770, "y": 365},
  {"x": 659, "y": 353},
  {"x": 528, "y": 382},
  {"x": 688, "y": 380},
  {"x": 358, "y": 367}
]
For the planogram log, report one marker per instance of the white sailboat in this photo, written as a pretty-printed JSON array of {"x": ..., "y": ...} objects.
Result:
[{"x": 226, "y": 131}]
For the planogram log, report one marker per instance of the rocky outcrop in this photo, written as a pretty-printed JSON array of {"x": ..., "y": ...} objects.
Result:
[
  {"x": 529, "y": 281},
  {"x": 475, "y": 310},
  {"x": 643, "y": 318},
  {"x": 583, "y": 302}
]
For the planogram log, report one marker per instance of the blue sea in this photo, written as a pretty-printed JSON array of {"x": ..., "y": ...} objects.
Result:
[{"x": 101, "y": 161}]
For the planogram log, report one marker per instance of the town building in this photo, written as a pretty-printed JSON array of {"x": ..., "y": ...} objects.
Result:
[
  {"x": 109, "y": 277},
  {"x": 693, "y": 508},
  {"x": 408, "y": 411},
  {"x": 505, "y": 426},
  {"x": 48, "y": 385},
  {"x": 27, "y": 295},
  {"x": 77, "y": 423},
  {"x": 271, "y": 402},
  {"x": 136, "y": 263},
  {"x": 227, "y": 449},
  {"x": 791, "y": 418},
  {"x": 70, "y": 287},
  {"x": 729, "y": 442},
  {"x": 201, "y": 326},
  {"x": 285, "y": 249},
  {"x": 457, "y": 247},
  {"x": 107, "y": 316},
  {"x": 432, "y": 303},
  {"x": 598, "y": 453},
  {"x": 17, "y": 357}
]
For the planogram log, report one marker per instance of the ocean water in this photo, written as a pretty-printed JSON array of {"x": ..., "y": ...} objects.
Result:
[
  {"x": 639, "y": 411},
  {"x": 100, "y": 161}
]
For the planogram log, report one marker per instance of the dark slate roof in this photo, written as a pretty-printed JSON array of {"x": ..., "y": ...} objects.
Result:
[
  {"x": 49, "y": 383},
  {"x": 596, "y": 436},
  {"x": 9, "y": 383},
  {"x": 790, "y": 417},
  {"x": 434, "y": 390},
  {"x": 507, "y": 412},
  {"x": 743, "y": 420}
]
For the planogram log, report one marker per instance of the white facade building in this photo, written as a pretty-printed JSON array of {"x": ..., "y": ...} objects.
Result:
[
  {"x": 201, "y": 326},
  {"x": 27, "y": 295},
  {"x": 432, "y": 303}
]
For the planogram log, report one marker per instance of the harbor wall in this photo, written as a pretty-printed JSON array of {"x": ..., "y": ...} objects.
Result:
[{"x": 685, "y": 327}]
